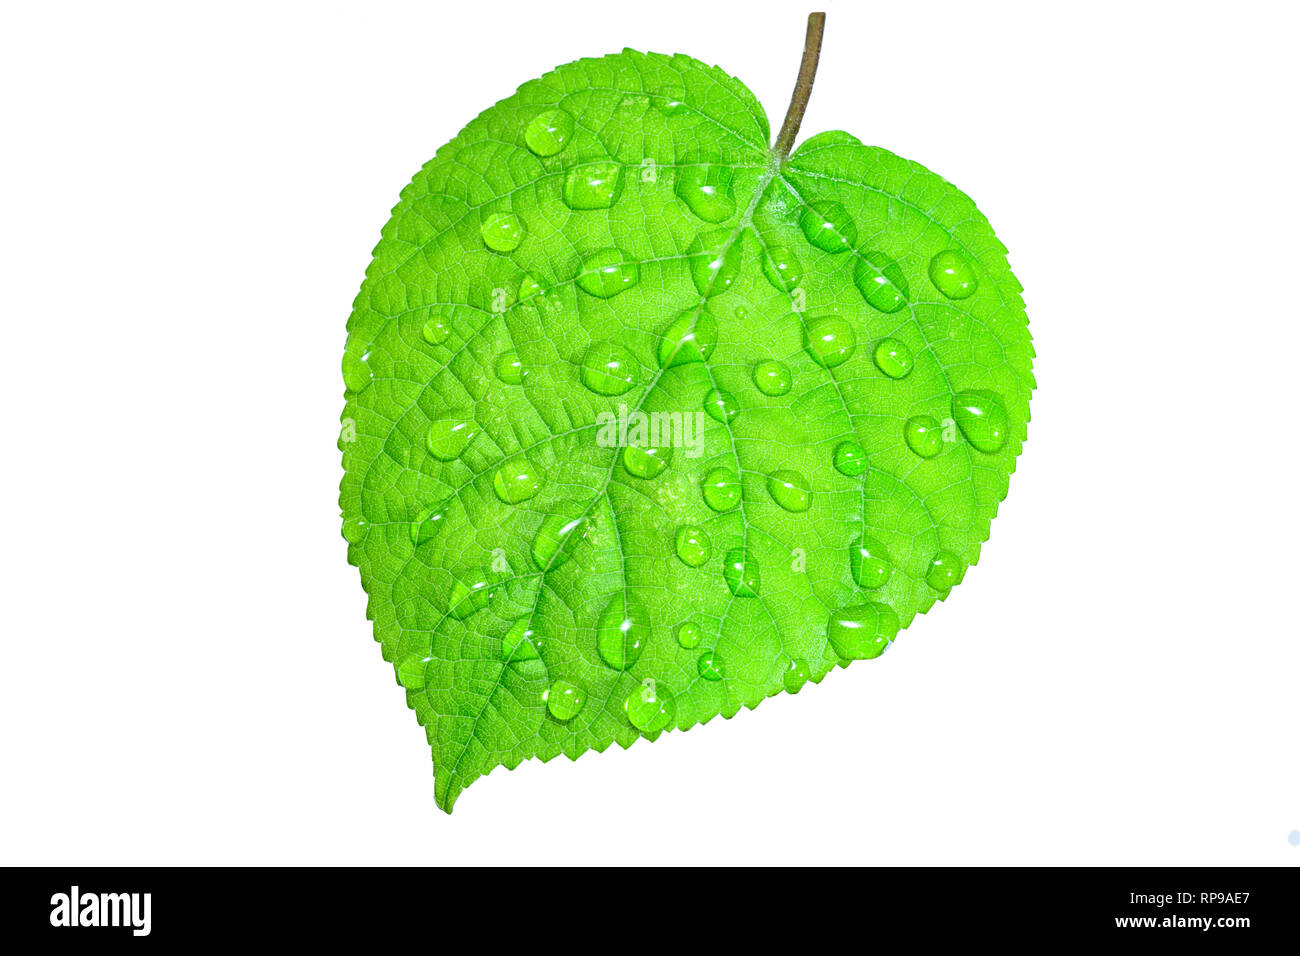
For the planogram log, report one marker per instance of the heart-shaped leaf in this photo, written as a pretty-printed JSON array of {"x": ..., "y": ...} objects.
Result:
[{"x": 647, "y": 420}]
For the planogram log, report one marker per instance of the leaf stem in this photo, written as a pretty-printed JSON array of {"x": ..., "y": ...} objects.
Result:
[{"x": 812, "y": 48}]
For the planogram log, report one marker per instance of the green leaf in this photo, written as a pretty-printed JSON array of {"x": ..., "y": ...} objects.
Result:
[{"x": 841, "y": 327}]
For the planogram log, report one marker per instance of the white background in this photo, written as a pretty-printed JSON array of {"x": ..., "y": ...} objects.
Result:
[{"x": 189, "y": 202}]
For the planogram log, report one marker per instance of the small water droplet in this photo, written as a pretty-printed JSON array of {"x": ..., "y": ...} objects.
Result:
[
  {"x": 789, "y": 489},
  {"x": 529, "y": 287},
  {"x": 502, "y": 232},
  {"x": 555, "y": 540},
  {"x": 606, "y": 273},
  {"x": 436, "y": 330},
  {"x": 650, "y": 707},
  {"x": 521, "y": 643},
  {"x": 782, "y": 268},
  {"x": 516, "y": 480},
  {"x": 946, "y": 571},
  {"x": 646, "y": 462},
  {"x": 411, "y": 672},
  {"x": 709, "y": 666},
  {"x": 772, "y": 377},
  {"x": 862, "y": 631},
  {"x": 691, "y": 337},
  {"x": 796, "y": 675},
  {"x": 689, "y": 634},
  {"x": 593, "y": 186},
  {"x": 707, "y": 191},
  {"x": 509, "y": 368},
  {"x": 427, "y": 523},
  {"x": 893, "y": 358},
  {"x": 693, "y": 545},
  {"x": 829, "y": 339},
  {"x": 923, "y": 435},
  {"x": 881, "y": 281},
  {"x": 354, "y": 530},
  {"x": 608, "y": 368},
  {"x": 564, "y": 700},
  {"x": 828, "y": 226},
  {"x": 548, "y": 132},
  {"x": 953, "y": 275},
  {"x": 721, "y": 405},
  {"x": 356, "y": 371},
  {"x": 622, "y": 633},
  {"x": 447, "y": 437},
  {"x": 850, "y": 458},
  {"x": 715, "y": 259},
  {"x": 740, "y": 571},
  {"x": 466, "y": 598},
  {"x": 870, "y": 564},
  {"x": 722, "y": 489},
  {"x": 671, "y": 106},
  {"x": 982, "y": 419}
]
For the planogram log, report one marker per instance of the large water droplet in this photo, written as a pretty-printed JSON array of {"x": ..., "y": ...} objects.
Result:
[
  {"x": 709, "y": 666},
  {"x": 428, "y": 523},
  {"x": 796, "y": 674},
  {"x": 354, "y": 530},
  {"x": 953, "y": 275},
  {"x": 721, "y": 405},
  {"x": 593, "y": 186},
  {"x": 850, "y": 458},
  {"x": 869, "y": 562},
  {"x": 622, "y": 633},
  {"x": 691, "y": 338},
  {"x": 828, "y": 226},
  {"x": 982, "y": 419},
  {"x": 892, "y": 357},
  {"x": 468, "y": 597},
  {"x": 923, "y": 435},
  {"x": 715, "y": 261},
  {"x": 881, "y": 281},
  {"x": 447, "y": 437},
  {"x": 650, "y": 707},
  {"x": 829, "y": 339},
  {"x": 789, "y": 489},
  {"x": 548, "y": 132},
  {"x": 411, "y": 672},
  {"x": 693, "y": 545},
  {"x": 722, "y": 489},
  {"x": 564, "y": 700},
  {"x": 555, "y": 540},
  {"x": 436, "y": 330},
  {"x": 782, "y": 268},
  {"x": 946, "y": 571},
  {"x": 707, "y": 191},
  {"x": 509, "y": 368},
  {"x": 772, "y": 377},
  {"x": 862, "y": 631},
  {"x": 646, "y": 462},
  {"x": 608, "y": 368},
  {"x": 356, "y": 371},
  {"x": 516, "y": 480},
  {"x": 606, "y": 273},
  {"x": 521, "y": 643},
  {"x": 740, "y": 571},
  {"x": 689, "y": 634},
  {"x": 502, "y": 232}
]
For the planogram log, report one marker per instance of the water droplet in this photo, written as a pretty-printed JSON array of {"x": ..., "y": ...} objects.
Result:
[
  {"x": 608, "y": 368},
  {"x": 707, "y": 191},
  {"x": 509, "y": 368},
  {"x": 549, "y": 131},
  {"x": 982, "y": 419},
  {"x": 892, "y": 357},
  {"x": 923, "y": 435},
  {"x": 689, "y": 634},
  {"x": 646, "y": 462},
  {"x": 427, "y": 523},
  {"x": 502, "y": 232},
  {"x": 436, "y": 330},
  {"x": 782, "y": 268},
  {"x": 521, "y": 643},
  {"x": 862, "y": 631},
  {"x": 356, "y": 371},
  {"x": 953, "y": 275},
  {"x": 772, "y": 377},
  {"x": 564, "y": 700},
  {"x": 447, "y": 437},
  {"x": 529, "y": 287},
  {"x": 722, "y": 489},
  {"x": 465, "y": 598},
  {"x": 946, "y": 571},
  {"x": 715, "y": 260},
  {"x": 593, "y": 186},
  {"x": 693, "y": 545},
  {"x": 671, "y": 106},
  {"x": 650, "y": 706},
  {"x": 796, "y": 675},
  {"x": 869, "y": 562},
  {"x": 828, "y": 226},
  {"x": 881, "y": 281},
  {"x": 789, "y": 489},
  {"x": 606, "y": 273},
  {"x": 516, "y": 480},
  {"x": 709, "y": 666},
  {"x": 829, "y": 339},
  {"x": 691, "y": 338},
  {"x": 740, "y": 571},
  {"x": 354, "y": 530},
  {"x": 721, "y": 405},
  {"x": 850, "y": 458},
  {"x": 555, "y": 540},
  {"x": 622, "y": 633},
  {"x": 411, "y": 673}
]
